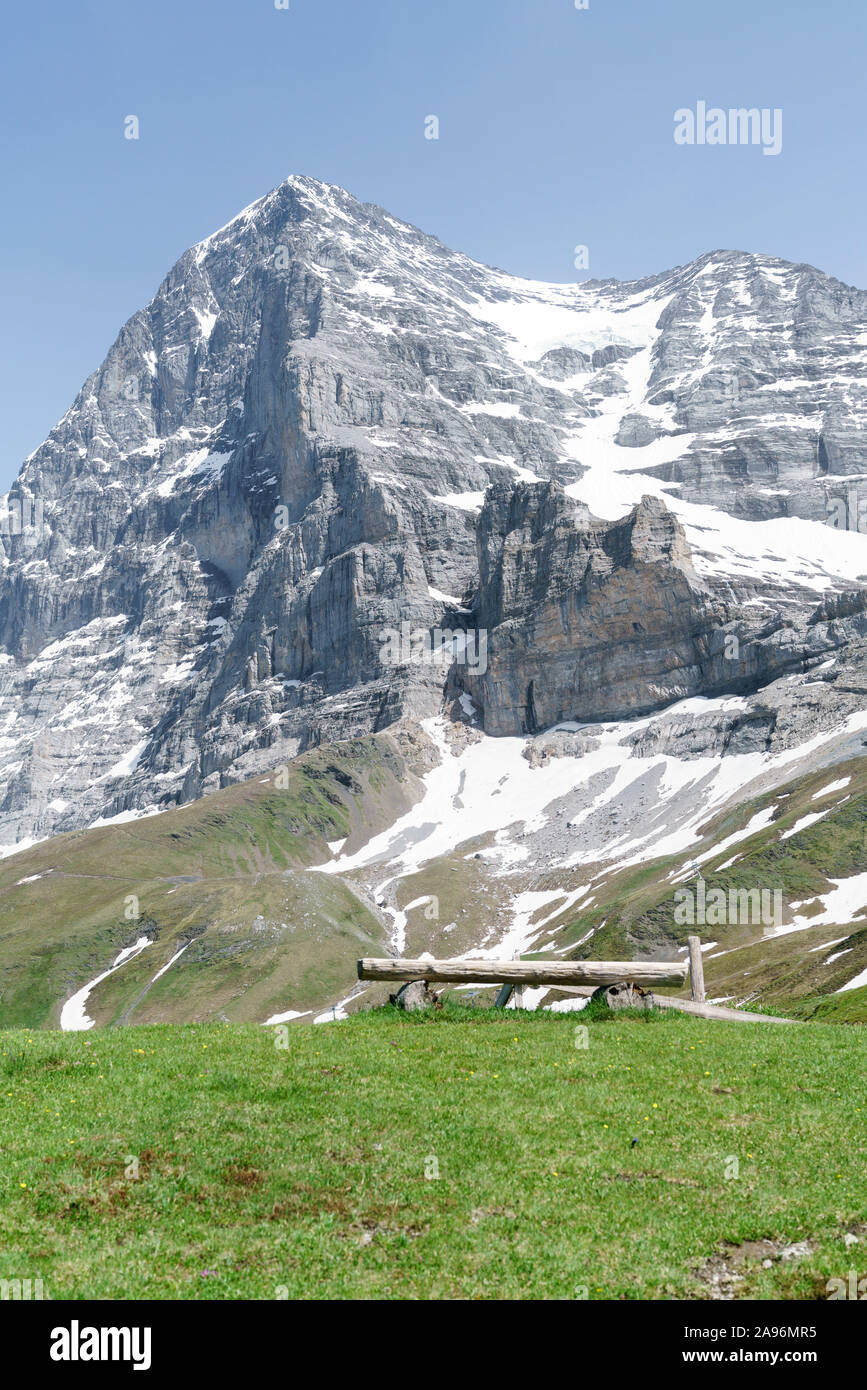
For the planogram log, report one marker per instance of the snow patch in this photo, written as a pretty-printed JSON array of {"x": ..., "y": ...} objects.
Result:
[{"x": 73, "y": 1015}]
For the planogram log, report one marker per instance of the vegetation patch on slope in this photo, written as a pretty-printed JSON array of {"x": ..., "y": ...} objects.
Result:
[
  {"x": 635, "y": 910},
  {"x": 227, "y": 878}
]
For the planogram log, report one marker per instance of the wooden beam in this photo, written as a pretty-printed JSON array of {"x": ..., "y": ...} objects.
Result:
[
  {"x": 696, "y": 970},
  {"x": 687, "y": 1006},
  {"x": 528, "y": 972}
]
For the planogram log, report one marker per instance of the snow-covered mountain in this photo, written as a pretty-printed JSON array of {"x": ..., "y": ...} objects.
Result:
[{"x": 289, "y": 452}]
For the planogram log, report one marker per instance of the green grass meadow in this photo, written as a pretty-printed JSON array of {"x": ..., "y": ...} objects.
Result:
[{"x": 466, "y": 1153}]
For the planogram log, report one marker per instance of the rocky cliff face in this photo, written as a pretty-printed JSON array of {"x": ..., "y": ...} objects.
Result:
[
  {"x": 284, "y": 459},
  {"x": 605, "y": 620},
  {"x": 586, "y": 618}
]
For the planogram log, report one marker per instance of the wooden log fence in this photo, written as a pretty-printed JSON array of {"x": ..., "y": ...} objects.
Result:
[
  {"x": 465, "y": 971},
  {"x": 580, "y": 977}
]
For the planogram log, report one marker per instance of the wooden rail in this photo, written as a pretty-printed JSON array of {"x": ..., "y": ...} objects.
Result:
[
  {"x": 689, "y": 1006},
  {"x": 526, "y": 972},
  {"x": 696, "y": 969},
  {"x": 571, "y": 976}
]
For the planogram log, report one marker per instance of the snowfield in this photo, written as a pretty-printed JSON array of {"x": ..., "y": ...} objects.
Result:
[{"x": 490, "y": 788}]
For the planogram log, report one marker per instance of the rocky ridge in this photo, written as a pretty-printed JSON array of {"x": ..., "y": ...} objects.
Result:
[{"x": 326, "y": 425}]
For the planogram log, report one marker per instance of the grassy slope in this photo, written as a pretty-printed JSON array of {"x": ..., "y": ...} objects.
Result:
[
  {"x": 303, "y": 1170},
  {"x": 787, "y": 975},
  {"x": 228, "y": 875},
  {"x": 632, "y": 914}
]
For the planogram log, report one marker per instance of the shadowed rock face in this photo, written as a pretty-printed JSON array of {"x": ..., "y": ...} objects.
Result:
[
  {"x": 284, "y": 456},
  {"x": 590, "y": 620},
  {"x": 586, "y": 619}
]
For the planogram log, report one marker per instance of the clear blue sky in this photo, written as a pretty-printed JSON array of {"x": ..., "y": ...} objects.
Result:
[{"x": 556, "y": 128}]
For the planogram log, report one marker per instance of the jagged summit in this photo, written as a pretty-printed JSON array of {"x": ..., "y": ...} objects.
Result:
[
  {"x": 287, "y": 451},
  {"x": 303, "y": 199}
]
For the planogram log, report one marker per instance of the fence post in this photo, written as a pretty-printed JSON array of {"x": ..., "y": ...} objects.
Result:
[
  {"x": 519, "y": 990},
  {"x": 696, "y": 969}
]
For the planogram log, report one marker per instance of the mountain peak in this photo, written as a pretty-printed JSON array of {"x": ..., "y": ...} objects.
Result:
[{"x": 287, "y": 452}]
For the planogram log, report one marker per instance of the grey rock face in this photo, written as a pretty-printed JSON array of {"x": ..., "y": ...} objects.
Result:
[
  {"x": 585, "y": 618},
  {"x": 763, "y": 362},
  {"x": 636, "y": 431},
  {"x": 283, "y": 459},
  {"x": 599, "y": 620}
]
